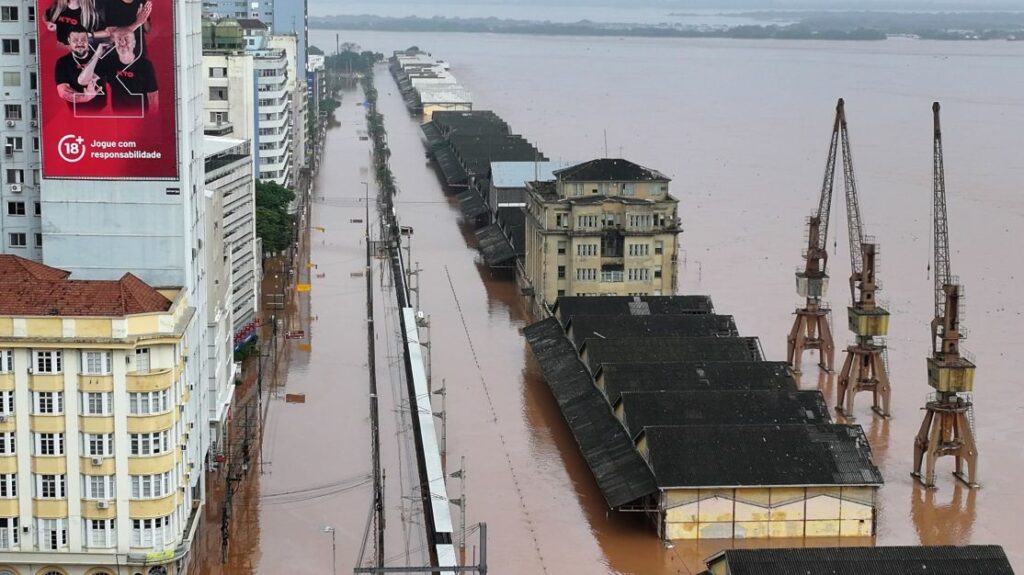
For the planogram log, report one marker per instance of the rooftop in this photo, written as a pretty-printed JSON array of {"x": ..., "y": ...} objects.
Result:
[
  {"x": 581, "y": 327},
  {"x": 657, "y": 408},
  {"x": 908, "y": 560},
  {"x": 821, "y": 454},
  {"x": 497, "y": 250},
  {"x": 617, "y": 378},
  {"x": 567, "y": 306},
  {"x": 597, "y": 351},
  {"x": 31, "y": 289},
  {"x": 610, "y": 170},
  {"x": 477, "y": 151},
  {"x": 251, "y": 24},
  {"x": 516, "y": 174}
]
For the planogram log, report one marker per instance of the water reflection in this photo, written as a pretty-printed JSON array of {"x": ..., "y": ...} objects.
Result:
[{"x": 941, "y": 522}]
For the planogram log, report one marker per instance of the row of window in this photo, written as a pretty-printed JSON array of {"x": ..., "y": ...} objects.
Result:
[
  {"x": 12, "y": 14},
  {"x": 634, "y": 221},
  {"x": 93, "y": 444},
  {"x": 633, "y": 249},
  {"x": 90, "y": 362},
  {"x": 12, "y": 46},
  {"x": 53, "y": 533},
  {"x": 91, "y": 403},
  {"x": 19, "y": 208},
  {"x": 632, "y": 274},
  {"x": 12, "y": 79},
  {"x": 13, "y": 112},
  {"x": 93, "y": 486}
]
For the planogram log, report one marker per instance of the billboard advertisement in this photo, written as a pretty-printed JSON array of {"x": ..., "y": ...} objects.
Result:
[{"x": 106, "y": 87}]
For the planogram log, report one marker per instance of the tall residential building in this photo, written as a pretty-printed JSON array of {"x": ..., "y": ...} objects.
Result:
[
  {"x": 229, "y": 97},
  {"x": 97, "y": 420},
  {"x": 603, "y": 227},
  {"x": 262, "y": 10},
  {"x": 291, "y": 17},
  {"x": 20, "y": 222},
  {"x": 296, "y": 87},
  {"x": 229, "y": 174}
]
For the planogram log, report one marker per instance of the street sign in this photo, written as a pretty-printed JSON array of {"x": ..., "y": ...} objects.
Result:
[
  {"x": 301, "y": 288},
  {"x": 295, "y": 334}
]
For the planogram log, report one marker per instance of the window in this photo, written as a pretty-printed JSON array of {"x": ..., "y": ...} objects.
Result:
[
  {"x": 148, "y": 403},
  {"x": 49, "y": 443},
  {"x": 13, "y": 79},
  {"x": 7, "y": 443},
  {"x": 586, "y": 274},
  {"x": 31, "y": 45},
  {"x": 9, "y": 485},
  {"x": 6, "y": 402},
  {"x": 96, "y": 403},
  {"x": 15, "y": 208},
  {"x": 12, "y": 111},
  {"x": 151, "y": 486},
  {"x": 586, "y": 221},
  {"x": 642, "y": 221},
  {"x": 96, "y": 362},
  {"x": 586, "y": 249},
  {"x": 37, "y": 210},
  {"x": 98, "y": 533},
  {"x": 562, "y": 220},
  {"x": 142, "y": 360},
  {"x": 97, "y": 444},
  {"x": 53, "y": 534},
  {"x": 9, "y": 13},
  {"x": 216, "y": 72},
  {"x": 639, "y": 249},
  {"x": 8, "y": 532},
  {"x": 657, "y": 272},
  {"x": 6, "y": 360},
  {"x": 629, "y": 189},
  {"x": 49, "y": 361},
  {"x": 561, "y": 248},
  {"x": 151, "y": 532},
  {"x": 15, "y": 176},
  {"x": 659, "y": 246},
  {"x": 33, "y": 80},
  {"x": 149, "y": 443},
  {"x": 48, "y": 402},
  {"x": 35, "y": 144},
  {"x": 11, "y": 46},
  {"x": 561, "y": 272},
  {"x": 39, "y": 240},
  {"x": 98, "y": 486},
  {"x": 50, "y": 486},
  {"x": 31, "y": 13},
  {"x": 218, "y": 94},
  {"x": 218, "y": 117},
  {"x": 17, "y": 239},
  {"x": 639, "y": 274}
]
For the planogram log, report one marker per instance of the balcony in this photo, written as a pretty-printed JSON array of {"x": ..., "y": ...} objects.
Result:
[
  {"x": 613, "y": 276},
  {"x": 155, "y": 380}
]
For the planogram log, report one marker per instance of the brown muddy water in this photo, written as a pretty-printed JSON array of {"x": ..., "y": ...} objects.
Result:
[{"x": 742, "y": 128}]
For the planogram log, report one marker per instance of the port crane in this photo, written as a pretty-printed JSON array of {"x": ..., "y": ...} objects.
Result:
[
  {"x": 865, "y": 366},
  {"x": 947, "y": 427},
  {"x": 811, "y": 328}
]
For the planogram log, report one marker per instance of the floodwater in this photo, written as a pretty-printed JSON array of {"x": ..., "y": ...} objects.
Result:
[{"x": 742, "y": 128}]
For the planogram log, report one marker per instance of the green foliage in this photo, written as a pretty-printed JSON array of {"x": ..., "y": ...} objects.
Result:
[
  {"x": 353, "y": 61},
  {"x": 274, "y": 225},
  {"x": 248, "y": 349},
  {"x": 314, "y": 51}
]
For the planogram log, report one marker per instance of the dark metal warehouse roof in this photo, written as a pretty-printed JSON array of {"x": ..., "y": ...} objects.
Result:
[
  {"x": 760, "y": 455},
  {"x": 596, "y": 351},
  {"x": 617, "y": 466},
  {"x": 471, "y": 204},
  {"x": 495, "y": 247},
  {"x": 567, "y": 306},
  {"x": 694, "y": 376},
  {"x": 646, "y": 409},
  {"x": 908, "y": 560},
  {"x": 582, "y": 327}
]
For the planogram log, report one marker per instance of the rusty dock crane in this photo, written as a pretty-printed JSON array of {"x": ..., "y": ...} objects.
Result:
[
  {"x": 811, "y": 328},
  {"x": 865, "y": 367},
  {"x": 947, "y": 428}
]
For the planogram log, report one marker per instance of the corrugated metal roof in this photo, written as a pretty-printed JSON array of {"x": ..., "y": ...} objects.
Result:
[
  {"x": 618, "y": 378},
  {"x": 568, "y": 306},
  {"x": 516, "y": 174},
  {"x": 495, "y": 247},
  {"x": 669, "y": 349},
  {"x": 904, "y": 560},
  {"x": 582, "y": 327},
  {"x": 620, "y": 471},
  {"x": 472, "y": 204},
  {"x": 760, "y": 455}
]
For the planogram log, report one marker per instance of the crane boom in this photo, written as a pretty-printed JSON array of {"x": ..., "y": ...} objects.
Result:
[
  {"x": 855, "y": 226},
  {"x": 941, "y": 232},
  {"x": 825, "y": 201}
]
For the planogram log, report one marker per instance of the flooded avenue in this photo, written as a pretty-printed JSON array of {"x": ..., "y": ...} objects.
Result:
[{"x": 742, "y": 129}]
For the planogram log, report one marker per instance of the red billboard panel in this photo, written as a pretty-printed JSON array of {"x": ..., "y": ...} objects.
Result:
[{"x": 106, "y": 85}]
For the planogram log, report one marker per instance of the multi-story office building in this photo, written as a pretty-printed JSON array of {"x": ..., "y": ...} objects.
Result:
[
  {"x": 603, "y": 227},
  {"x": 229, "y": 98},
  {"x": 296, "y": 87},
  {"x": 229, "y": 174},
  {"x": 97, "y": 424},
  {"x": 20, "y": 209}
]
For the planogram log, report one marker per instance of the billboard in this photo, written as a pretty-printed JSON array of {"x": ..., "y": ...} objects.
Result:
[{"x": 106, "y": 86}]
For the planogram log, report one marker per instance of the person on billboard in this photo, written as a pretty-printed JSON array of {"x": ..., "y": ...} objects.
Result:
[
  {"x": 132, "y": 15},
  {"x": 83, "y": 97},
  {"x": 131, "y": 76},
  {"x": 63, "y": 16}
]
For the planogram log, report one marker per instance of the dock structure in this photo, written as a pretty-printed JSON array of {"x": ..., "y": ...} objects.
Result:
[
  {"x": 904, "y": 560},
  {"x": 427, "y": 85},
  {"x": 728, "y": 446}
]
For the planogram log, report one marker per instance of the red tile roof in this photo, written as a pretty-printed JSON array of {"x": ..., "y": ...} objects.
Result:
[{"x": 28, "y": 288}]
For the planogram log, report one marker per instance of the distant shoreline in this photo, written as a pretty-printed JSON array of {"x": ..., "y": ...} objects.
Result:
[{"x": 856, "y": 26}]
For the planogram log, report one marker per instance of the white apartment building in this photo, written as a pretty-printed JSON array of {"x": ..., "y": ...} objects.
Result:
[
  {"x": 296, "y": 85},
  {"x": 97, "y": 422},
  {"x": 20, "y": 209},
  {"x": 229, "y": 96}
]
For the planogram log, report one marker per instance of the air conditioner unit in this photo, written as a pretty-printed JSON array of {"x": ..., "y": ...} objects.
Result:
[
  {"x": 102, "y": 504},
  {"x": 16, "y": 188},
  {"x": 34, "y": 123},
  {"x": 97, "y": 461},
  {"x": 10, "y": 123},
  {"x": 3, "y": 419}
]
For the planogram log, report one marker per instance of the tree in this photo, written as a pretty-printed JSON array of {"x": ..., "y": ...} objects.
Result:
[
  {"x": 274, "y": 225},
  {"x": 314, "y": 51}
]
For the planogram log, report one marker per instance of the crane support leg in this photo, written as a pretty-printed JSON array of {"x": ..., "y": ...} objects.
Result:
[
  {"x": 864, "y": 370},
  {"x": 811, "y": 331},
  {"x": 946, "y": 430}
]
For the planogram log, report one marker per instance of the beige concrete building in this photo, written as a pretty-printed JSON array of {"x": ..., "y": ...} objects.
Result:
[
  {"x": 603, "y": 227},
  {"x": 95, "y": 418}
]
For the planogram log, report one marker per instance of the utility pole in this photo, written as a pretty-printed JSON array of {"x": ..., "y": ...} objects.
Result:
[{"x": 378, "y": 490}]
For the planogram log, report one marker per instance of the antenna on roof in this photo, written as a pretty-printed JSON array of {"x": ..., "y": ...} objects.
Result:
[{"x": 606, "y": 142}]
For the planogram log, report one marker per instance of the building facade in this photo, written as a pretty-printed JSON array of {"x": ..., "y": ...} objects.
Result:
[
  {"x": 296, "y": 87},
  {"x": 229, "y": 97},
  {"x": 97, "y": 418},
  {"x": 603, "y": 227}
]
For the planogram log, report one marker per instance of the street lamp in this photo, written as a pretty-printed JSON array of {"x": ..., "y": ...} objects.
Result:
[{"x": 334, "y": 548}]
